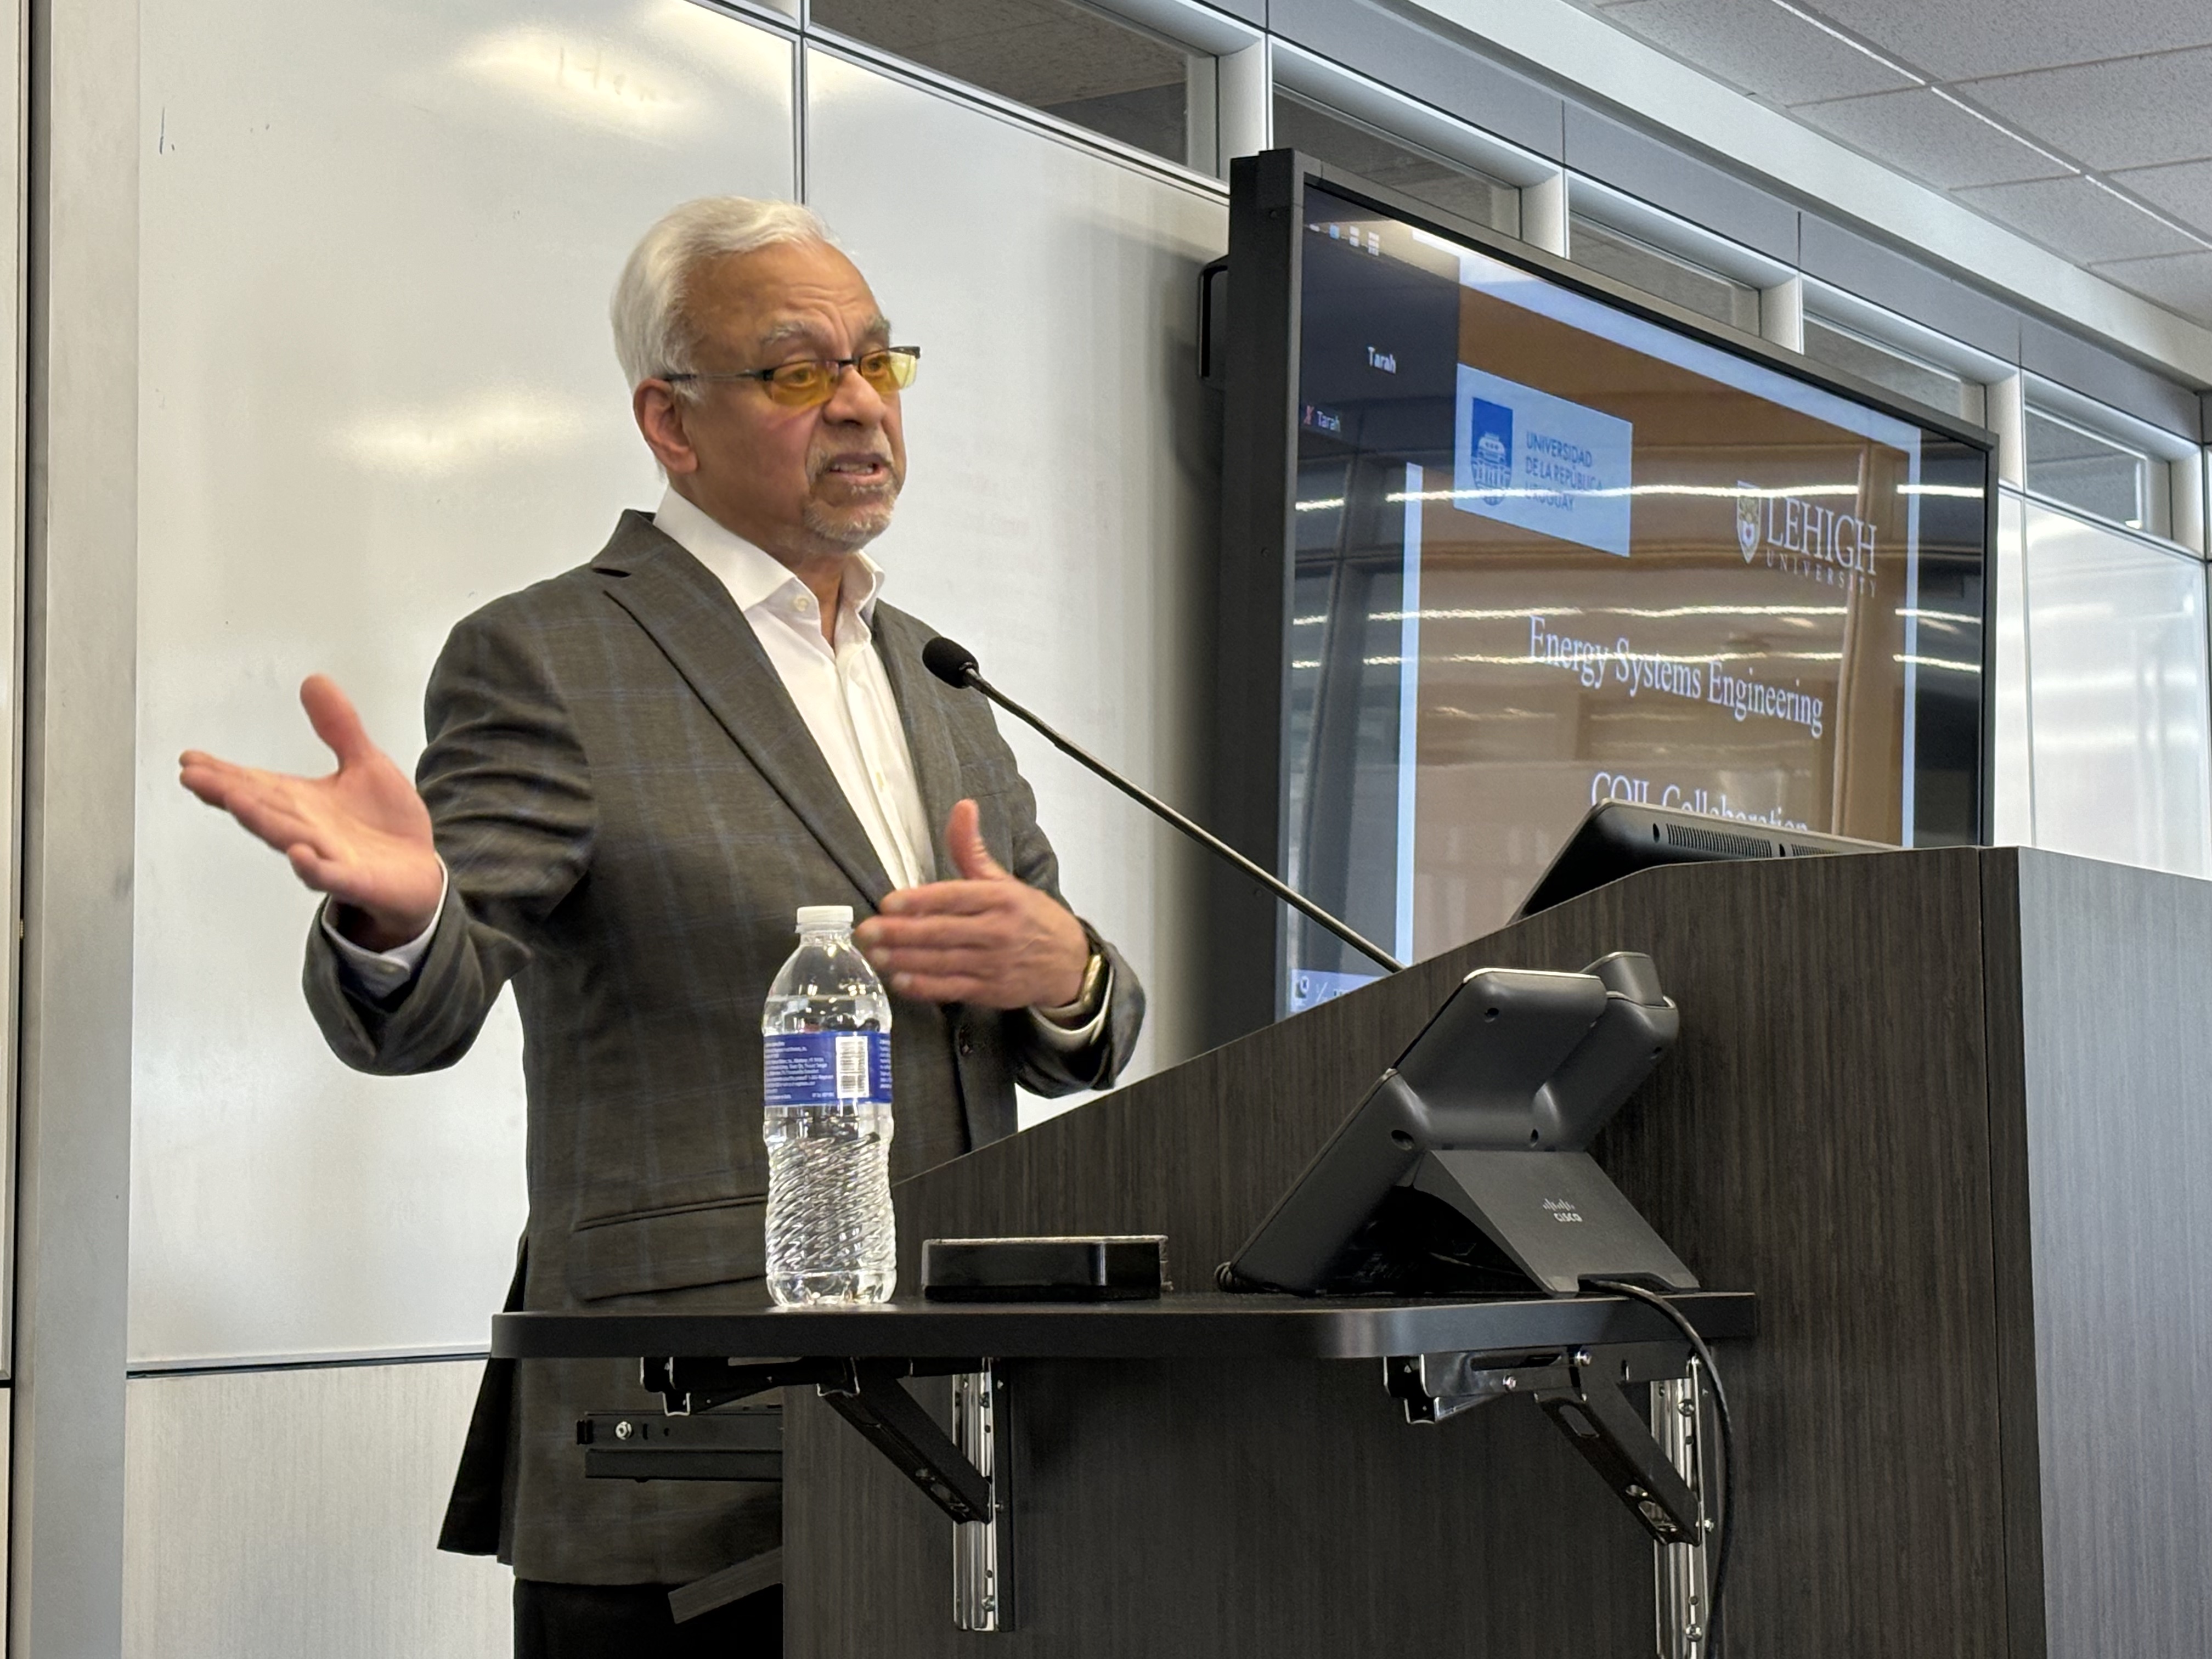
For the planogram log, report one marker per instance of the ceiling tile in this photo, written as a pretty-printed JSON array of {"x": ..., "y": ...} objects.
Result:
[
  {"x": 1952, "y": 40},
  {"x": 2076, "y": 219},
  {"x": 1758, "y": 46},
  {"x": 2184, "y": 190},
  {"x": 2181, "y": 282},
  {"x": 2133, "y": 113},
  {"x": 1928, "y": 138}
]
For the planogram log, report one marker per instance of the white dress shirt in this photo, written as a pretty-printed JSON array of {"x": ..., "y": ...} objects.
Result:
[
  {"x": 843, "y": 696},
  {"x": 843, "y": 692}
]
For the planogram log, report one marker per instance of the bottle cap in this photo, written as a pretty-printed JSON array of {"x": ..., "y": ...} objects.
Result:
[{"x": 813, "y": 916}]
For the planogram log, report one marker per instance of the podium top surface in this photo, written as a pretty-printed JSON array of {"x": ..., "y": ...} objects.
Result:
[{"x": 1197, "y": 1326}]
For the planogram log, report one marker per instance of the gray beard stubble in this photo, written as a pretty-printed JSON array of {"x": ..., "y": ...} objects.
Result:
[{"x": 850, "y": 533}]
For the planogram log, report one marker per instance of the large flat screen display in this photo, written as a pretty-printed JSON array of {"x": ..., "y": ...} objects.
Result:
[{"x": 1548, "y": 548}]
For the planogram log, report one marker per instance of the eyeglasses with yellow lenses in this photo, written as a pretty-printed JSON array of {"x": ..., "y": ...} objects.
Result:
[{"x": 809, "y": 381}]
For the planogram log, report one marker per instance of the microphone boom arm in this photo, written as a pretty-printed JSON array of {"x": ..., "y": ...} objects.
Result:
[{"x": 1283, "y": 891}]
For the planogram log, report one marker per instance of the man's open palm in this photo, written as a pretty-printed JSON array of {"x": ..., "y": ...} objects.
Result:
[{"x": 361, "y": 835}]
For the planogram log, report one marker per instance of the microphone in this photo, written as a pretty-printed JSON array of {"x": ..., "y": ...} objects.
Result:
[{"x": 955, "y": 665}]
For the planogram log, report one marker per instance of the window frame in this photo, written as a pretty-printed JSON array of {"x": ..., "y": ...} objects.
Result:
[
  {"x": 1679, "y": 238},
  {"x": 1176, "y": 24},
  {"x": 2176, "y": 463},
  {"x": 1400, "y": 119},
  {"x": 1976, "y": 384},
  {"x": 1757, "y": 294},
  {"x": 1411, "y": 147}
]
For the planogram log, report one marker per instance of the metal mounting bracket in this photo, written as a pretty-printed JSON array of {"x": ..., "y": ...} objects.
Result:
[
  {"x": 1579, "y": 1390},
  {"x": 1681, "y": 1571},
  {"x": 983, "y": 1550},
  {"x": 1654, "y": 1470},
  {"x": 743, "y": 1444},
  {"x": 968, "y": 1473},
  {"x": 867, "y": 1395},
  {"x": 687, "y": 1386}
]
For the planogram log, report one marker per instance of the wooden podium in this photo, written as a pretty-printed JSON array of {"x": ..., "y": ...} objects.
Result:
[{"x": 1947, "y": 1114}]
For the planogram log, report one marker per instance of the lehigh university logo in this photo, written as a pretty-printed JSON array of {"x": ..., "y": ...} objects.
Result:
[{"x": 1747, "y": 519}]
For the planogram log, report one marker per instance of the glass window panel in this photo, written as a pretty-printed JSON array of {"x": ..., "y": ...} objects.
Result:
[
  {"x": 1886, "y": 365},
  {"x": 1669, "y": 275},
  {"x": 1065, "y": 60},
  {"x": 1330, "y": 136},
  {"x": 2118, "y": 730},
  {"x": 2085, "y": 470}
]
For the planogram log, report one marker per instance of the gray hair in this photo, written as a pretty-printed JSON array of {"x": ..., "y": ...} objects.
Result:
[{"x": 651, "y": 335}]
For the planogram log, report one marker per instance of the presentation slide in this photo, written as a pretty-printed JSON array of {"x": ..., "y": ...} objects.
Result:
[{"x": 1582, "y": 556}]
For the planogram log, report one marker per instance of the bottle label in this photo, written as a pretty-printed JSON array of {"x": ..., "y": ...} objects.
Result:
[{"x": 829, "y": 1068}]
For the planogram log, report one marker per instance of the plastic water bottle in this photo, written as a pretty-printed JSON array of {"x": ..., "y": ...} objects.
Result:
[{"x": 826, "y": 1034}]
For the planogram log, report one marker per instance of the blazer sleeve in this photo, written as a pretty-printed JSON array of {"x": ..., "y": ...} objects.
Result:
[
  {"x": 511, "y": 807},
  {"x": 1038, "y": 1065}
]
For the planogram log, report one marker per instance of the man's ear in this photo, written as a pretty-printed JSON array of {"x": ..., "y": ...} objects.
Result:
[{"x": 660, "y": 413}]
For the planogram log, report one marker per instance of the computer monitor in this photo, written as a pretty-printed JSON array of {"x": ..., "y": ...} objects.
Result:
[
  {"x": 1502, "y": 539},
  {"x": 1616, "y": 839}
]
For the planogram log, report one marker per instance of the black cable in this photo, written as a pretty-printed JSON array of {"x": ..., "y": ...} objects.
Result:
[{"x": 1621, "y": 1288}]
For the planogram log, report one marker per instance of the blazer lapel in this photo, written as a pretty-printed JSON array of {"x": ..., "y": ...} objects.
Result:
[
  {"x": 899, "y": 639},
  {"x": 691, "y": 617}
]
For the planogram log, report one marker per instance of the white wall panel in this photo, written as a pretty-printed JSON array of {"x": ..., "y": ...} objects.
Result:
[
  {"x": 2012, "y": 821},
  {"x": 1059, "y": 512},
  {"x": 376, "y": 391},
  {"x": 12, "y": 128},
  {"x": 277, "y": 1514},
  {"x": 6, "y": 1467},
  {"x": 2121, "y": 738}
]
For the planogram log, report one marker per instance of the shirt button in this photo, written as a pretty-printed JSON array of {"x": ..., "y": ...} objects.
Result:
[{"x": 966, "y": 1042}]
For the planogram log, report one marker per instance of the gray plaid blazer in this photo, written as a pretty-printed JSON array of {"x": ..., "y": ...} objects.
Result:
[{"x": 631, "y": 809}]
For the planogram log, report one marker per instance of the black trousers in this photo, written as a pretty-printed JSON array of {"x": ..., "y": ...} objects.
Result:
[{"x": 632, "y": 1621}]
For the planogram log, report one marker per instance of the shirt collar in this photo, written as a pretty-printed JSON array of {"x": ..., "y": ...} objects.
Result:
[{"x": 754, "y": 577}]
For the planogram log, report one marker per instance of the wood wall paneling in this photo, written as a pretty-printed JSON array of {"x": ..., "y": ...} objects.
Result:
[{"x": 2116, "y": 1003}]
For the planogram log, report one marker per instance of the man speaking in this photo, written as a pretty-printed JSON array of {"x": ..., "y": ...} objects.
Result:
[{"x": 635, "y": 772}]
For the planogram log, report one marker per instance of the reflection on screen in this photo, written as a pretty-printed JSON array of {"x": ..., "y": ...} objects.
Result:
[{"x": 1550, "y": 553}]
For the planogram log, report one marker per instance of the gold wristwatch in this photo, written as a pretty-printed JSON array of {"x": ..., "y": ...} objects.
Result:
[{"x": 1086, "y": 1006}]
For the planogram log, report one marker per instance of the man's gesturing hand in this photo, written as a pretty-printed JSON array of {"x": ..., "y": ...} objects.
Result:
[
  {"x": 361, "y": 835},
  {"x": 988, "y": 938}
]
